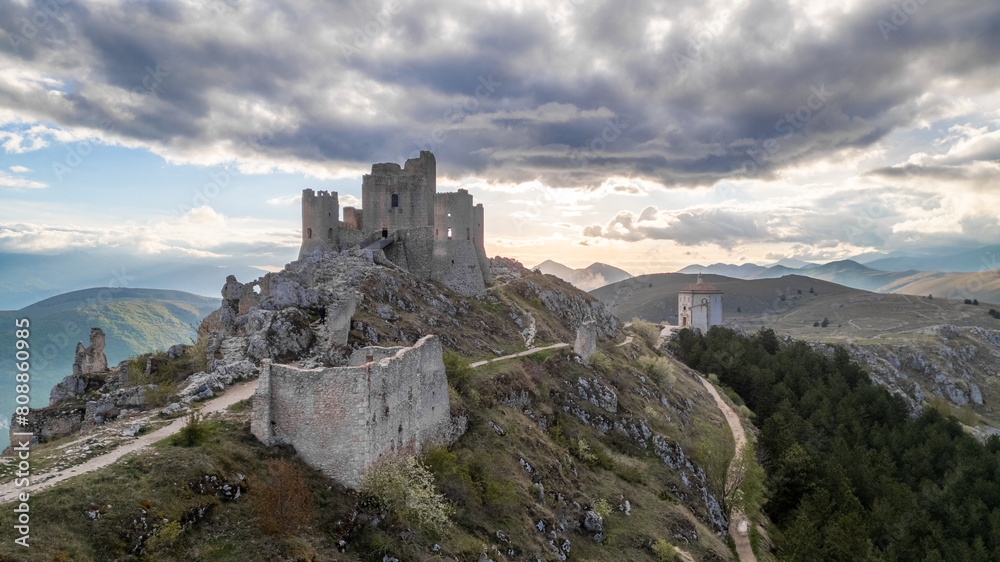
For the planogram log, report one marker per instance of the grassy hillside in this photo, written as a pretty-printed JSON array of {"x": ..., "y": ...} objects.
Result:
[
  {"x": 134, "y": 321},
  {"x": 654, "y": 297},
  {"x": 853, "y": 274},
  {"x": 548, "y": 439},
  {"x": 981, "y": 285}
]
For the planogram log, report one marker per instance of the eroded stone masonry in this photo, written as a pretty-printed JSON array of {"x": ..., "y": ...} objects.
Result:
[
  {"x": 432, "y": 235},
  {"x": 386, "y": 402}
]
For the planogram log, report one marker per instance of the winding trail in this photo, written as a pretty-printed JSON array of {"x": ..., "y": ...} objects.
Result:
[
  {"x": 233, "y": 394},
  {"x": 739, "y": 525},
  {"x": 521, "y": 354},
  {"x": 665, "y": 334}
]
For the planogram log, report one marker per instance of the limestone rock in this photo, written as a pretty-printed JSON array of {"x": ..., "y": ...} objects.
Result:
[
  {"x": 109, "y": 406},
  {"x": 90, "y": 360},
  {"x": 203, "y": 385},
  {"x": 175, "y": 351},
  {"x": 593, "y": 522},
  {"x": 132, "y": 430},
  {"x": 598, "y": 394}
]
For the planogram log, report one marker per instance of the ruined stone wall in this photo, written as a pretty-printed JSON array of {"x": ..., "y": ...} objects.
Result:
[
  {"x": 414, "y": 187},
  {"x": 458, "y": 250},
  {"x": 50, "y": 423},
  {"x": 413, "y": 250},
  {"x": 479, "y": 238},
  {"x": 343, "y": 420},
  {"x": 353, "y": 219},
  {"x": 320, "y": 222},
  {"x": 586, "y": 340},
  {"x": 350, "y": 238}
]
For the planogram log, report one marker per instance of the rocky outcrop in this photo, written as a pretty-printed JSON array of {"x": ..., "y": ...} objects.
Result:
[
  {"x": 90, "y": 360},
  {"x": 49, "y": 423},
  {"x": 574, "y": 309},
  {"x": 952, "y": 368},
  {"x": 203, "y": 385},
  {"x": 117, "y": 404},
  {"x": 89, "y": 370},
  {"x": 74, "y": 386}
]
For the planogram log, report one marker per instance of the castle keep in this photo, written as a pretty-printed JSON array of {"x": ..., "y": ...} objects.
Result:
[{"x": 432, "y": 235}]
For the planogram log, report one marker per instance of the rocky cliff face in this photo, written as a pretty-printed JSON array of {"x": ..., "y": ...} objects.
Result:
[{"x": 959, "y": 365}]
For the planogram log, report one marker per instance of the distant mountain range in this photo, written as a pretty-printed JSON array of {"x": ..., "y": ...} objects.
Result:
[
  {"x": 654, "y": 297},
  {"x": 591, "y": 277},
  {"x": 961, "y": 274},
  {"x": 845, "y": 272},
  {"x": 29, "y": 278},
  {"x": 134, "y": 320},
  {"x": 959, "y": 260},
  {"x": 983, "y": 286}
]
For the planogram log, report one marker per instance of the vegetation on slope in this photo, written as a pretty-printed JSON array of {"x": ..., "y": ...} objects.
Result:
[
  {"x": 851, "y": 476},
  {"x": 541, "y": 450},
  {"x": 135, "y": 321}
]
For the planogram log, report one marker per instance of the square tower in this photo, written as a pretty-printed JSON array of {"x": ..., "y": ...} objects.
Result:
[{"x": 394, "y": 198}]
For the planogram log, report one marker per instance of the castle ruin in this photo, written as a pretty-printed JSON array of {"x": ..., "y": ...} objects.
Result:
[
  {"x": 386, "y": 402},
  {"x": 432, "y": 235}
]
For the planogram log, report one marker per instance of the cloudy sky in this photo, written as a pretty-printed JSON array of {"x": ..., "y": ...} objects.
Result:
[{"x": 645, "y": 134}]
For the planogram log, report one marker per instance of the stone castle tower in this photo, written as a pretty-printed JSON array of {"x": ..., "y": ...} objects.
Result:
[
  {"x": 432, "y": 235},
  {"x": 320, "y": 222},
  {"x": 699, "y": 305},
  {"x": 394, "y": 198},
  {"x": 459, "y": 253}
]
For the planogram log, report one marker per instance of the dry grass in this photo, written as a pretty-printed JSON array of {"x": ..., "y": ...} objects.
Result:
[{"x": 282, "y": 504}]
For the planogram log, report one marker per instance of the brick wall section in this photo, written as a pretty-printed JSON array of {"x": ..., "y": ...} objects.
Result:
[{"x": 343, "y": 420}]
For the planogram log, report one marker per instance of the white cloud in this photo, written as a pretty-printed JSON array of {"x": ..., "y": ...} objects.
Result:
[
  {"x": 289, "y": 200},
  {"x": 19, "y": 169},
  {"x": 7, "y": 180}
]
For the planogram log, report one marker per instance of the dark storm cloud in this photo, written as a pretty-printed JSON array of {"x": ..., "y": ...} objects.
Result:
[{"x": 719, "y": 94}]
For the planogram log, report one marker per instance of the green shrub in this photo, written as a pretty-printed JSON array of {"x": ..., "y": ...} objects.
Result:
[
  {"x": 592, "y": 456},
  {"x": 603, "y": 508},
  {"x": 165, "y": 538},
  {"x": 600, "y": 361},
  {"x": 406, "y": 490},
  {"x": 195, "y": 432},
  {"x": 647, "y": 331},
  {"x": 665, "y": 552},
  {"x": 457, "y": 370},
  {"x": 658, "y": 369}
]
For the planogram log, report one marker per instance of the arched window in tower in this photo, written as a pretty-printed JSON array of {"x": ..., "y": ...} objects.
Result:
[
  {"x": 329, "y": 234},
  {"x": 395, "y": 200},
  {"x": 309, "y": 233},
  {"x": 449, "y": 234}
]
